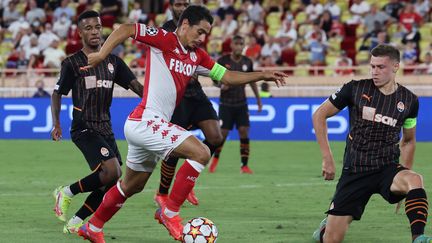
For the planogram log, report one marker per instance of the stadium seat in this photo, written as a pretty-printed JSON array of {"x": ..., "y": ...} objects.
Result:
[
  {"x": 346, "y": 15},
  {"x": 425, "y": 32},
  {"x": 273, "y": 21},
  {"x": 288, "y": 56},
  {"x": 362, "y": 57},
  {"x": 301, "y": 71},
  {"x": 360, "y": 31},
  {"x": 302, "y": 57},
  {"x": 212, "y": 5},
  {"x": 392, "y": 29},
  {"x": 334, "y": 44},
  {"x": 301, "y": 17},
  {"x": 160, "y": 19},
  {"x": 108, "y": 20},
  {"x": 226, "y": 46},
  {"x": 303, "y": 29}
]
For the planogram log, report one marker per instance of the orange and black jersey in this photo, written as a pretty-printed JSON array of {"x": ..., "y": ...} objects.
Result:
[
  {"x": 92, "y": 89},
  {"x": 375, "y": 123},
  {"x": 194, "y": 89},
  {"x": 235, "y": 95}
]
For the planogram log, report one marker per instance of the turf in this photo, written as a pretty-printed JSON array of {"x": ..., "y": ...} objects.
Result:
[{"x": 283, "y": 201}]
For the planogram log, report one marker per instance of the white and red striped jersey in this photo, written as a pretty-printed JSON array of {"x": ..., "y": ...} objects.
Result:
[{"x": 169, "y": 67}]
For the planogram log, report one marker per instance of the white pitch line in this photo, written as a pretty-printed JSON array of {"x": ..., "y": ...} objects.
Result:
[{"x": 247, "y": 186}]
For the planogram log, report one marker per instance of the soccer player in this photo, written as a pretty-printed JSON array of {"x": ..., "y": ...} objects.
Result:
[
  {"x": 194, "y": 110},
  {"x": 379, "y": 108},
  {"x": 91, "y": 130},
  {"x": 172, "y": 59},
  {"x": 233, "y": 107}
]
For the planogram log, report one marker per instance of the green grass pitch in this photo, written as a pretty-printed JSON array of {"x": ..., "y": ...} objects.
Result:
[{"x": 283, "y": 201}]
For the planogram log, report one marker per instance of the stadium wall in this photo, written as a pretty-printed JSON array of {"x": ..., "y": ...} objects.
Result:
[{"x": 281, "y": 119}]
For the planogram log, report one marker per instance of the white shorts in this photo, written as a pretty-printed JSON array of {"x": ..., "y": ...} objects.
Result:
[{"x": 151, "y": 140}]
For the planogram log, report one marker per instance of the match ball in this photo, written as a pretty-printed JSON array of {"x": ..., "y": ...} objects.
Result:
[{"x": 200, "y": 230}]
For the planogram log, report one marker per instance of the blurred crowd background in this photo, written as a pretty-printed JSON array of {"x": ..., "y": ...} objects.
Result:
[{"x": 39, "y": 34}]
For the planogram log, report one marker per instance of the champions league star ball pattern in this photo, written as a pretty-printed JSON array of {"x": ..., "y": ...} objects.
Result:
[{"x": 200, "y": 230}]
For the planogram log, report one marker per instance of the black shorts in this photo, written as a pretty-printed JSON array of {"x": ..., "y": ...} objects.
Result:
[
  {"x": 230, "y": 115},
  {"x": 95, "y": 147},
  {"x": 354, "y": 190},
  {"x": 192, "y": 111}
]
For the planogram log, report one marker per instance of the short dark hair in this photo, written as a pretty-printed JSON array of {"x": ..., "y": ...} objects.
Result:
[
  {"x": 385, "y": 50},
  {"x": 172, "y": 2},
  {"x": 238, "y": 37},
  {"x": 88, "y": 14},
  {"x": 194, "y": 14}
]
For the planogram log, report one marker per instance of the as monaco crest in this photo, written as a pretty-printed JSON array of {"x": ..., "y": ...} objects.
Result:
[{"x": 193, "y": 56}]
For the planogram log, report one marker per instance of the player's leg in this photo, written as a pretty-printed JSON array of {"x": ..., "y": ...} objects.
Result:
[
  {"x": 197, "y": 156},
  {"x": 227, "y": 119},
  {"x": 352, "y": 195},
  {"x": 244, "y": 149},
  {"x": 94, "y": 199},
  {"x": 410, "y": 184},
  {"x": 183, "y": 145},
  {"x": 134, "y": 181},
  {"x": 205, "y": 117},
  {"x": 243, "y": 124},
  {"x": 335, "y": 228},
  {"x": 181, "y": 117},
  {"x": 95, "y": 149}
]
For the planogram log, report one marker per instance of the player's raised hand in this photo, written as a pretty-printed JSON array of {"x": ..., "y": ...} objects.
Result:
[
  {"x": 56, "y": 133},
  {"x": 93, "y": 60},
  {"x": 328, "y": 168},
  {"x": 277, "y": 77}
]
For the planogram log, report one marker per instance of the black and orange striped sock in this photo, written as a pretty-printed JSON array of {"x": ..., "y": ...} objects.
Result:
[
  {"x": 167, "y": 174},
  {"x": 244, "y": 151},
  {"x": 87, "y": 184},
  {"x": 217, "y": 152},
  {"x": 91, "y": 203},
  {"x": 416, "y": 209}
]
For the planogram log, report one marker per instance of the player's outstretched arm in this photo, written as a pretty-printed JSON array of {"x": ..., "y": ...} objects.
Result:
[
  {"x": 407, "y": 146},
  {"x": 319, "y": 119},
  {"x": 56, "y": 132},
  {"x": 114, "y": 39},
  {"x": 239, "y": 78}
]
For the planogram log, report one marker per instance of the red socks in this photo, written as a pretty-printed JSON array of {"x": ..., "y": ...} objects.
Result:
[
  {"x": 183, "y": 184},
  {"x": 111, "y": 203}
]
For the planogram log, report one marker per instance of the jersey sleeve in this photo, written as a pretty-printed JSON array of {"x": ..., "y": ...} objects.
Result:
[
  {"x": 250, "y": 65},
  {"x": 206, "y": 63},
  {"x": 123, "y": 75},
  {"x": 154, "y": 36},
  {"x": 342, "y": 97},
  {"x": 66, "y": 79},
  {"x": 414, "y": 109}
]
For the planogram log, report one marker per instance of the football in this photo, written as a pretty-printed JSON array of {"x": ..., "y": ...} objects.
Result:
[{"x": 200, "y": 230}]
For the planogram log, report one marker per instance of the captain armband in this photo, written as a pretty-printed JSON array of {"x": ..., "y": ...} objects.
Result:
[
  {"x": 217, "y": 72},
  {"x": 410, "y": 123}
]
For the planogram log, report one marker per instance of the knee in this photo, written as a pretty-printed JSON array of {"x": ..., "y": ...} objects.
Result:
[
  {"x": 216, "y": 140},
  {"x": 131, "y": 189},
  {"x": 202, "y": 155},
  {"x": 332, "y": 237},
  {"x": 415, "y": 181},
  {"x": 110, "y": 173}
]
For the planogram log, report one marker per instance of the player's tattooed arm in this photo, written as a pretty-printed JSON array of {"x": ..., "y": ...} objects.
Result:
[{"x": 136, "y": 87}]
